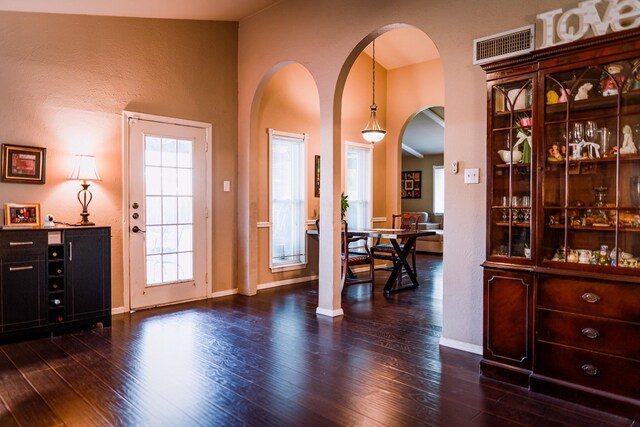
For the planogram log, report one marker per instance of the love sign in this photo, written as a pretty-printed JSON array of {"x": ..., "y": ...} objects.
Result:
[{"x": 559, "y": 28}]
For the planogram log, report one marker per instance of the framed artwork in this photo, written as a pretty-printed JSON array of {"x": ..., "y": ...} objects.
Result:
[
  {"x": 22, "y": 215},
  {"x": 24, "y": 164},
  {"x": 317, "y": 177},
  {"x": 411, "y": 185}
]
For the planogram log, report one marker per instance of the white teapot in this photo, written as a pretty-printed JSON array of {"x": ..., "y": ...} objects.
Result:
[{"x": 510, "y": 156}]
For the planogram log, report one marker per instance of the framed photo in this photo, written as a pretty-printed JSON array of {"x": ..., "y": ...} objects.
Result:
[
  {"x": 22, "y": 215},
  {"x": 24, "y": 164},
  {"x": 317, "y": 177},
  {"x": 411, "y": 185}
]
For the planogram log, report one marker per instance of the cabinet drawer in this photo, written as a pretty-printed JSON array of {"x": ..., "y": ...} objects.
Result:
[
  {"x": 21, "y": 242},
  {"x": 591, "y": 333},
  {"x": 590, "y": 369},
  {"x": 607, "y": 299}
]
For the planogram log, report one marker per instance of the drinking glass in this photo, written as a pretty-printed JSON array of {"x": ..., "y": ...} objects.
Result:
[
  {"x": 635, "y": 191},
  {"x": 591, "y": 131},
  {"x": 577, "y": 133}
]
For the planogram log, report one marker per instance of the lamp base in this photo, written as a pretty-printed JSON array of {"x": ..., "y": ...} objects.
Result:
[{"x": 85, "y": 220}]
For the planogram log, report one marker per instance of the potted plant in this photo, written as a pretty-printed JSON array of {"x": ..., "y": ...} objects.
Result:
[{"x": 344, "y": 205}]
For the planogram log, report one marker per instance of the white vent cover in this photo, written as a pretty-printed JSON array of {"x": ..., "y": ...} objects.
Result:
[{"x": 504, "y": 45}]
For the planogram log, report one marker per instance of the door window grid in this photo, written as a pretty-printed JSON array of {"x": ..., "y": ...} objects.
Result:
[{"x": 168, "y": 210}]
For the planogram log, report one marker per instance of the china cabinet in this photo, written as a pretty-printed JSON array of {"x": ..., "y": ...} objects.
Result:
[{"x": 562, "y": 273}]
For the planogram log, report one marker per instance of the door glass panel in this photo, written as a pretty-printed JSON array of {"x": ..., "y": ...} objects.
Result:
[
  {"x": 511, "y": 158},
  {"x": 169, "y": 247}
]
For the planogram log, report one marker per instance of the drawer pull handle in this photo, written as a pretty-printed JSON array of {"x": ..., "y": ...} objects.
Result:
[
  {"x": 30, "y": 267},
  {"x": 590, "y": 370},
  {"x": 20, "y": 243},
  {"x": 590, "y": 333},
  {"x": 590, "y": 298}
]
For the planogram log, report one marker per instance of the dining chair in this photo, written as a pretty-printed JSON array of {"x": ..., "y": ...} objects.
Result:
[
  {"x": 385, "y": 251},
  {"x": 353, "y": 255}
]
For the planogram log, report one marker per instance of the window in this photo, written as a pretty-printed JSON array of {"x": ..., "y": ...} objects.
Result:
[
  {"x": 438, "y": 190},
  {"x": 358, "y": 185},
  {"x": 288, "y": 198}
]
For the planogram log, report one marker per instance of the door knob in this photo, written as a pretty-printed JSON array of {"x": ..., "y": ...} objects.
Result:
[
  {"x": 137, "y": 229},
  {"x": 135, "y": 215},
  {"x": 135, "y": 205}
]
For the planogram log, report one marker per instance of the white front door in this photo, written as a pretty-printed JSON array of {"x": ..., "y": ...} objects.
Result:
[{"x": 167, "y": 213}]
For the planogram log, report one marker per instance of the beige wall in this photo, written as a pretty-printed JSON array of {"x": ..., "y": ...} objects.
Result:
[
  {"x": 66, "y": 79},
  {"x": 328, "y": 37},
  {"x": 356, "y": 108},
  {"x": 425, "y": 165},
  {"x": 289, "y": 104}
]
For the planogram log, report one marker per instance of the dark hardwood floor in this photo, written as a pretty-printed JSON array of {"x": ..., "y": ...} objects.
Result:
[{"x": 269, "y": 360}]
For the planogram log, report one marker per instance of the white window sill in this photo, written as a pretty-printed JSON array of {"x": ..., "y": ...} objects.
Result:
[{"x": 289, "y": 267}]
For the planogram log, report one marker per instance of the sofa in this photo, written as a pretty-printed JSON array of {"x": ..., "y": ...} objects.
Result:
[{"x": 432, "y": 244}]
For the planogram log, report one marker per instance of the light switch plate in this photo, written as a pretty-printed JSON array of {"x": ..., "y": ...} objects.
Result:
[
  {"x": 227, "y": 185},
  {"x": 472, "y": 176}
]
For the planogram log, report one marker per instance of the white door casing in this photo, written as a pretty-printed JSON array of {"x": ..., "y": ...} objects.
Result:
[{"x": 167, "y": 229}]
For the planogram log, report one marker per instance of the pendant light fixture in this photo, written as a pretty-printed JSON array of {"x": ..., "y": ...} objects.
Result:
[{"x": 373, "y": 132}]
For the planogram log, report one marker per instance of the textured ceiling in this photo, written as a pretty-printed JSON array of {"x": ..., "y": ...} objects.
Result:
[{"x": 425, "y": 135}]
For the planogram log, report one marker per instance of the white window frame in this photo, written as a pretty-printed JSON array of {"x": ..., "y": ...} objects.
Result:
[
  {"x": 435, "y": 192},
  {"x": 278, "y": 267},
  {"x": 368, "y": 146}
]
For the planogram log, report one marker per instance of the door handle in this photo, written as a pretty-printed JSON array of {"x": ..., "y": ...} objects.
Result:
[
  {"x": 30, "y": 267},
  {"x": 137, "y": 229}
]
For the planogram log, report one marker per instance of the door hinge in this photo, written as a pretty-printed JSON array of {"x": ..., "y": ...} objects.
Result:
[
  {"x": 206, "y": 277},
  {"x": 206, "y": 212},
  {"x": 206, "y": 147}
]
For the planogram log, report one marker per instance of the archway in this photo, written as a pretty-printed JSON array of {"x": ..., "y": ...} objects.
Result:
[{"x": 287, "y": 102}]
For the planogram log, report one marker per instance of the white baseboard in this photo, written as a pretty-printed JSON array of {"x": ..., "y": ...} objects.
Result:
[
  {"x": 286, "y": 282},
  {"x": 117, "y": 310},
  {"x": 459, "y": 345},
  {"x": 329, "y": 313},
  {"x": 223, "y": 293}
]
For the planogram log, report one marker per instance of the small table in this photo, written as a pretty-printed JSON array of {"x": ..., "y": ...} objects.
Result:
[{"x": 409, "y": 237}]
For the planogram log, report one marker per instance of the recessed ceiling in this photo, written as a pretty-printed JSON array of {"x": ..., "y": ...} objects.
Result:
[
  {"x": 402, "y": 47},
  {"x": 425, "y": 132},
  {"x": 212, "y": 10}
]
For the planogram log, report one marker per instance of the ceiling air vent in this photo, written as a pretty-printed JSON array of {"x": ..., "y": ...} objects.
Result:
[{"x": 504, "y": 45}]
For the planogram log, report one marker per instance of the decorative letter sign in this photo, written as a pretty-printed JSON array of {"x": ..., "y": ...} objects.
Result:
[{"x": 575, "y": 23}]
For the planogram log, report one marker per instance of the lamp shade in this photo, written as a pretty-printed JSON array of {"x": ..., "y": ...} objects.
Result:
[
  {"x": 84, "y": 169},
  {"x": 373, "y": 132}
]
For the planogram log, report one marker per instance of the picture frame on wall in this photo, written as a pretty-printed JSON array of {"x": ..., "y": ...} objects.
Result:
[
  {"x": 411, "y": 185},
  {"x": 23, "y": 164},
  {"x": 22, "y": 215},
  {"x": 317, "y": 177}
]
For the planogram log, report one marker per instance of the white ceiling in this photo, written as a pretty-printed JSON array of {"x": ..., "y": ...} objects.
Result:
[
  {"x": 212, "y": 10},
  {"x": 425, "y": 135}
]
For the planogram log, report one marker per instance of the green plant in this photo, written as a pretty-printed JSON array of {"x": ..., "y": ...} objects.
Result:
[{"x": 344, "y": 205}]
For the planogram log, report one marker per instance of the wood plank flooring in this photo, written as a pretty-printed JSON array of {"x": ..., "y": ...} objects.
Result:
[{"x": 269, "y": 360}]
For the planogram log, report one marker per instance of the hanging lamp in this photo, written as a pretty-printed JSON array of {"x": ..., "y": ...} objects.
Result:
[{"x": 372, "y": 131}]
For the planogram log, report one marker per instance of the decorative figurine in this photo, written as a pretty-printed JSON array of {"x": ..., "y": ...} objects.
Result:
[
  {"x": 603, "y": 257},
  {"x": 552, "y": 97},
  {"x": 611, "y": 81},
  {"x": 583, "y": 91},
  {"x": 628, "y": 147},
  {"x": 554, "y": 154},
  {"x": 564, "y": 95}
]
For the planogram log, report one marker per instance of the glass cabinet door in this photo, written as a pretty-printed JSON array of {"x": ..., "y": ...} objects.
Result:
[
  {"x": 590, "y": 180},
  {"x": 510, "y": 161}
]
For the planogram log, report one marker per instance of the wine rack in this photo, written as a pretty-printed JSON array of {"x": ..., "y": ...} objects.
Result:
[{"x": 55, "y": 270}]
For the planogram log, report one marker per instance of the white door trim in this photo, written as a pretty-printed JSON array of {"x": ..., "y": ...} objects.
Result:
[{"x": 131, "y": 115}]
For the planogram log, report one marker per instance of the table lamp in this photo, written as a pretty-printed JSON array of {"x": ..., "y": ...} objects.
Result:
[{"x": 84, "y": 169}]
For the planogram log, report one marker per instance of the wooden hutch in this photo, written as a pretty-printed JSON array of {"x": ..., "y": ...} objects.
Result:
[{"x": 562, "y": 271}]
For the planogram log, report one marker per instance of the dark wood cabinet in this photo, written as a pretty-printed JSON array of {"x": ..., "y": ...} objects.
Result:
[
  {"x": 562, "y": 273},
  {"x": 53, "y": 279}
]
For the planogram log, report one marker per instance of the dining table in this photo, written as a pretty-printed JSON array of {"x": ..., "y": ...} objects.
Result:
[{"x": 402, "y": 251}]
